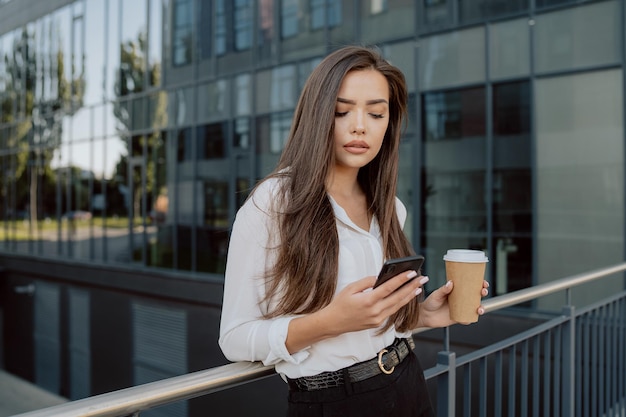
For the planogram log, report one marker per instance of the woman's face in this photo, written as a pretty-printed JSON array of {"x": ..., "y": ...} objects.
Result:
[{"x": 361, "y": 118}]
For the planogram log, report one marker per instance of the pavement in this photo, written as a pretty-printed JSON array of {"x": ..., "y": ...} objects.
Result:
[{"x": 20, "y": 396}]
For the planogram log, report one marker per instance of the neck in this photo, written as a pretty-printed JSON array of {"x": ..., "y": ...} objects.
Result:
[{"x": 343, "y": 182}]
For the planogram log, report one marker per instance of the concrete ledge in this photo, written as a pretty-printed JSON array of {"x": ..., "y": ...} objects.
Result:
[{"x": 20, "y": 396}]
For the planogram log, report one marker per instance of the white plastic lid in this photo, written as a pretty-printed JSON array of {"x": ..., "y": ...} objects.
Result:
[{"x": 465, "y": 255}]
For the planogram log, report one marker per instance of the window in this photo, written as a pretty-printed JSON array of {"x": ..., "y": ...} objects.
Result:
[
  {"x": 182, "y": 32},
  {"x": 212, "y": 141},
  {"x": 220, "y": 27},
  {"x": 289, "y": 18},
  {"x": 204, "y": 30},
  {"x": 243, "y": 24},
  {"x": 454, "y": 171},
  {"x": 323, "y": 11},
  {"x": 455, "y": 114}
]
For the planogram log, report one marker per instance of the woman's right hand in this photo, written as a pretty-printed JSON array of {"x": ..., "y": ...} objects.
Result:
[{"x": 356, "y": 307}]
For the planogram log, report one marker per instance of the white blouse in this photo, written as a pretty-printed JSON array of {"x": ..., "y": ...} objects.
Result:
[{"x": 246, "y": 336}]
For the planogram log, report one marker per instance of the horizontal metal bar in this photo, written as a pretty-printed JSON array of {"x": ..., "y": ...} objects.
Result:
[
  {"x": 142, "y": 397},
  {"x": 541, "y": 290}
]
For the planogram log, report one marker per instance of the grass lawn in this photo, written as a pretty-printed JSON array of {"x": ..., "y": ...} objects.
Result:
[{"x": 19, "y": 229}]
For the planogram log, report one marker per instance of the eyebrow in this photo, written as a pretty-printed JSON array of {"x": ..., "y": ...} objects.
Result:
[{"x": 368, "y": 102}]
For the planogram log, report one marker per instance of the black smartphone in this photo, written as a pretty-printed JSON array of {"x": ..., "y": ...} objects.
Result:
[{"x": 393, "y": 267}]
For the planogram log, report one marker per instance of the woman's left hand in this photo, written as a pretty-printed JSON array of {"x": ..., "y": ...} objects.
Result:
[{"x": 434, "y": 310}]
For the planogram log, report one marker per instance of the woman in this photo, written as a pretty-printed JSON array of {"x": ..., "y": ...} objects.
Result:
[{"x": 306, "y": 246}]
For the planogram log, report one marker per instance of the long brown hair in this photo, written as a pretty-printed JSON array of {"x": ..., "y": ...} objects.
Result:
[{"x": 304, "y": 277}]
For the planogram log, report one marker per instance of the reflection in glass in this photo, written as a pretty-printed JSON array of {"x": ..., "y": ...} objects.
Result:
[
  {"x": 241, "y": 137},
  {"x": 161, "y": 242},
  {"x": 155, "y": 43},
  {"x": 299, "y": 38},
  {"x": 453, "y": 189},
  {"x": 436, "y": 13},
  {"x": 266, "y": 33},
  {"x": 512, "y": 188},
  {"x": 578, "y": 37},
  {"x": 386, "y": 19},
  {"x": 289, "y": 18},
  {"x": 580, "y": 175},
  {"x": 243, "y": 94},
  {"x": 112, "y": 49},
  {"x": 271, "y": 133},
  {"x": 342, "y": 21},
  {"x": 509, "y": 49},
  {"x": 94, "y": 45},
  {"x": 182, "y": 29},
  {"x": 326, "y": 13},
  {"x": 472, "y": 10},
  {"x": 220, "y": 27},
  {"x": 212, "y": 141},
  {"x": 452, "y": 58},
  {"x": 243, "y": 24},
  {"x": 185, "y": 151},
  {"x": 282, "y": 93},
  {"x": 204, "y": 29},
  {"x": 214, "y": 100}
]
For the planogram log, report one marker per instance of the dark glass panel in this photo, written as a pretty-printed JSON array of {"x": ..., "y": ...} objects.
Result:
[
  {"x": 185, "y": 153},
  {"x": 212, "y": 141},
  {"x": 161, "y": 248},
  {"x": 453, "y": 190},
  {"x": 454, "y": 114},
  {"x": 477, "y": 10},
  {"x": 205, "y": 26},
  {"x": 512, "y": 193}
]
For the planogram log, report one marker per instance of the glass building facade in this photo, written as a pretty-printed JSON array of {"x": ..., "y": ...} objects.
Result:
[{"x": 132, "y": 131}]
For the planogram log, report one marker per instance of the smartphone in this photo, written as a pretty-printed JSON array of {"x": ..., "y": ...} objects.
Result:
[{"x": 393, "y": 267}]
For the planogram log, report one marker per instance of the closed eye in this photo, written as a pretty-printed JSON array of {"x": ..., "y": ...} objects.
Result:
[{"x": 340, "y": 114}]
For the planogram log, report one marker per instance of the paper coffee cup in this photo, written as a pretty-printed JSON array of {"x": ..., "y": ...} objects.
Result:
[{"x": 466, "y": 269}]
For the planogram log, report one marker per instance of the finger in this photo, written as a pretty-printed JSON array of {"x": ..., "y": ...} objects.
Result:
[
  {"x": 394, "y": 283},
  {"x": 404, "y": 294},
  {"x": 446, "y": 289},
  {"x": 362, "y": 284},
  {"x": 481, "y": 310}
]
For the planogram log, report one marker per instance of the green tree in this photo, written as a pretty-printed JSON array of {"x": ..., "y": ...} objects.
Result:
[
  {"x": 37, "y": 119},
  {"x": 135, "y": 75}
]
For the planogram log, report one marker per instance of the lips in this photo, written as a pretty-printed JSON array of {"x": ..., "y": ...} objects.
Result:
[{"x": 356, "y": 147}]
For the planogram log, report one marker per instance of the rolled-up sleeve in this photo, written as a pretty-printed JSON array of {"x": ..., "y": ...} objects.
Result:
[{"x": 245, "y": 335}]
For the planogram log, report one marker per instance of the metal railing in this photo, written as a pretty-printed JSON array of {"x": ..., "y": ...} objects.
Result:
[{"x": 572, "y": 365}]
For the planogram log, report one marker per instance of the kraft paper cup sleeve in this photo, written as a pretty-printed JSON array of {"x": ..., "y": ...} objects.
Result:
[{"x": 468, "y": 278}]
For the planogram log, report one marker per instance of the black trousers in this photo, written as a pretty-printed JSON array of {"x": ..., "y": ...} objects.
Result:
[{"x": 401, "y": 394}]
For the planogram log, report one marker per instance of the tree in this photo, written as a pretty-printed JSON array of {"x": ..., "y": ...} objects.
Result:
[
  {"x": 37, "y": 117},
  {"x": 134, "y": 76}
]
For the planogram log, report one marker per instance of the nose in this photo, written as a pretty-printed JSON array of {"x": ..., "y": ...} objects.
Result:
[{"x": 358, "y": 122}]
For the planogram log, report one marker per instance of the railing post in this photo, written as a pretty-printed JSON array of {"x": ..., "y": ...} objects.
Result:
[
  {"x": 446, "y": 385},
  {"x": 568, "y": 381}
]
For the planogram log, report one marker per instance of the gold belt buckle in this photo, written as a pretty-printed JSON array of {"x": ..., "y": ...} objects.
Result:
[{"x": 381, "y": 365}]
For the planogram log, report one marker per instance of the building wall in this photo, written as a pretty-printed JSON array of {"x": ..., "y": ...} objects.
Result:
[{"x": 131, "y": 132}]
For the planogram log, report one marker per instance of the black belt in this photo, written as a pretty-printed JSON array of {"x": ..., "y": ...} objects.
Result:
[{"x": 384, "y": 363}]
